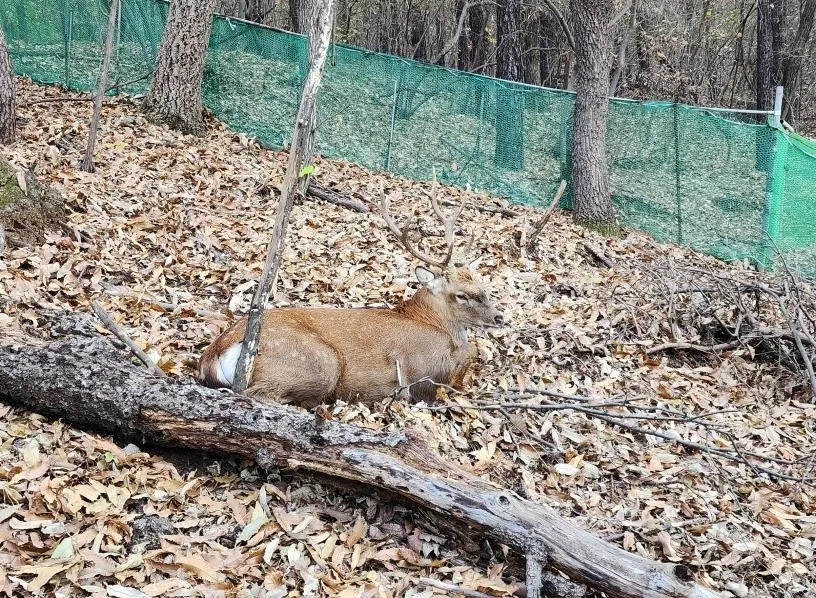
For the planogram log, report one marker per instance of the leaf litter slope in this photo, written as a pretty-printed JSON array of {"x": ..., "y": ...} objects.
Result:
[{"x": 177, "y": 220}]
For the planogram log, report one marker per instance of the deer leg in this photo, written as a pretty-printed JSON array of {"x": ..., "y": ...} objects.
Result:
[{"x": 463, "y": 357}]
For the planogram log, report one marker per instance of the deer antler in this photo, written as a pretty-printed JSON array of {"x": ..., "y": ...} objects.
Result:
[{"x": 402, "y": 234}]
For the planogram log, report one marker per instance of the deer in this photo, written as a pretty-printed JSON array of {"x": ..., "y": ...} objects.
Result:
[{"x": 309, "y": 356}]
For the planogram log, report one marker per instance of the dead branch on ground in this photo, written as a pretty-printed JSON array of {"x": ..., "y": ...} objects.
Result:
[
  {"x": 330, "y": 195},
  {"x": 708, "y": 312}
]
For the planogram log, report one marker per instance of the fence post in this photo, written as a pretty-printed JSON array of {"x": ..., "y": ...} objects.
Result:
[
  {"x": 773, "y": 185},
  {"x": 777, "y": 113},
  {"x": 117, "y": 43},
  {"x": 391, "y": 132},
  {"x": 68, "y": 43},
  {"x": 677, "y": 186}
]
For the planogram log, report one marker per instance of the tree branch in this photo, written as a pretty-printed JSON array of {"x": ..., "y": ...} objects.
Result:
[{"x": 562, "y": 22}]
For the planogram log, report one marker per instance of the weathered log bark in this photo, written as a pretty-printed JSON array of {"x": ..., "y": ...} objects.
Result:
[{"x": 84, "y": 380}]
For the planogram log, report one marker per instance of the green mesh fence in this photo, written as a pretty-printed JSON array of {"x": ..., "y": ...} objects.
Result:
[{"x": 719, "y": 182}]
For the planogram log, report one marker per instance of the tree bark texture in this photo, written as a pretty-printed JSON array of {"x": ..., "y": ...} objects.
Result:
[
  {"x": 300, "y": 155},
  {"x": 792, "y": 64},
  {"x": 770, "y": 30},
  {"x": 303, "y": 16},
  {"x": 592, "y": 200},
  {"x": 478, "y": 17},
  {"x": 509, "y": 102},
  {"x": 175, "y": 95},
  {"x": 84, "y": 380},
  {"x": 463, "y": 42},
  {"x": 8, "y": 118},
  {"x": 547, "y": 48}
]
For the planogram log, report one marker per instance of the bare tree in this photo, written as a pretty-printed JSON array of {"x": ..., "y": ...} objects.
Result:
[
  {"x": 592, "y": 200},
  {"x": 175, "y": 95},
  {"x": 87, "y": 162},
  {"x": 770, "y": 22},
  {"x": 509, "y": 102},
  {"x": 473, "y": 40},
  {"x": 8, "y": 125},
  {"x": 619, "y": 75},
  {"x": 793, "y": 61},
  {"x": 547, "y": 48}
]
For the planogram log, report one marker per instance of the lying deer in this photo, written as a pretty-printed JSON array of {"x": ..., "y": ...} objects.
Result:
[{"x": 307, "y": 356}]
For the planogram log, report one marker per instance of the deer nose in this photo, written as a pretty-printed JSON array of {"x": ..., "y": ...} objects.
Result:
[{"x": 498, "y": 320}]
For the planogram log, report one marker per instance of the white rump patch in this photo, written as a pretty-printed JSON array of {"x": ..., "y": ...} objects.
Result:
[{"x": 226, "y": 364}]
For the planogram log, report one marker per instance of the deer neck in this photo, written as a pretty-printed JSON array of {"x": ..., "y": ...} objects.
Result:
[{"x": 430, "y": 309}]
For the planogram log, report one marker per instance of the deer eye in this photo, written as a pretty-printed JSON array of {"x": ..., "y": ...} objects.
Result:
[{"x": 461, "y": 296}]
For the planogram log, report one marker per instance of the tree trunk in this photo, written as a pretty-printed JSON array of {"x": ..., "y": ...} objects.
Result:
[
  {"x": 84, "y": 380},
  {"x": 592, "y": 200},
  {"x": 463, "y": 43},
  {"x": 778, "y": 15},
  {"x": 547, "y": 48},
  {"x": 175, "y": 95},
  {"x": 261, "y": 11},
  {"x": 477, "y": 16},
  {"x": 619, "y": 75},
  {"x": 509, "y": 102},
  {"x": 296, "y": 15},
  {"x": 792, "y": 65},
  {"x": 644, "y": 56},
  {"x": 770, "y": 39},
  {"x": 8, "y": 118},
  {"x": 87, "y": 162},
  {"x": 417, "y": 35},
  {"x": 302, "y": 14},
  {"x": 529, "y": 39}
]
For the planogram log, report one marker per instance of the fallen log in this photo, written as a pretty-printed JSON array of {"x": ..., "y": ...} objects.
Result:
[
  {"x": 83, "y": 379},
  {"x": 330, "y": 195}
]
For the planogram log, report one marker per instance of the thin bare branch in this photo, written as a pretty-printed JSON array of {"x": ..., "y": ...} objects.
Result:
[
  {"x": 111, "y": 325},
  {"x": 562, "y": 22}
]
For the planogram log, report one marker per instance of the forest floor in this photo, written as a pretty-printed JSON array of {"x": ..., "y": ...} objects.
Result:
[{"x": 726, "y": 486}]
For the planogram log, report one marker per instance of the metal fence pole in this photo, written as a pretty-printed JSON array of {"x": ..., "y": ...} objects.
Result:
[{"x": 777, "y": 113}]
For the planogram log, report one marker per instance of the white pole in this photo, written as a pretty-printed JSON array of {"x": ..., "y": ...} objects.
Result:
[{"x": 777, "y": 113}]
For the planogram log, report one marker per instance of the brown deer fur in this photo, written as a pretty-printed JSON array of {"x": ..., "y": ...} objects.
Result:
[{"x": 308, "y": 356}]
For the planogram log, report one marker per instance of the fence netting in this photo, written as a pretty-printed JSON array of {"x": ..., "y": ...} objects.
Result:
[{"x": 724, "y": 183}]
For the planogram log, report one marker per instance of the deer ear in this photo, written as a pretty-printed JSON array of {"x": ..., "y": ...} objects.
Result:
[{"x": 424, "y": 275}]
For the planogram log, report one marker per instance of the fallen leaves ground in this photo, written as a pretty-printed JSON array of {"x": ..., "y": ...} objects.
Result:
[{"x": 177, "y": 220}]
